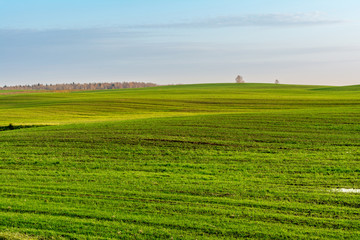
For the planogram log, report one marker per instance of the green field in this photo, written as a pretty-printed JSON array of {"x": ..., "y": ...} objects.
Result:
[{"x": 209, "y": 161}]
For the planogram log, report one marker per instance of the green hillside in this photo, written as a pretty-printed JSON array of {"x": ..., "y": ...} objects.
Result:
[
  {"x": 342, "y": 88},
  {"x": 208, "y": 161},
  {"x": 184, "y": 100}
]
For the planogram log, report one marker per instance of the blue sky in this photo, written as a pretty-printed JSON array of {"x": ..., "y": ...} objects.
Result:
[{"x": 185, "y": 41}]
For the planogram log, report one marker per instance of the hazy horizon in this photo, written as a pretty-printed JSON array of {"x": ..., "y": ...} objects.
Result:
[{"x": 184, "y": 42}]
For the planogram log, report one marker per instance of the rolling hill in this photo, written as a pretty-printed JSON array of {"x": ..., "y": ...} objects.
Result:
[{"x": 207, "y": 161}]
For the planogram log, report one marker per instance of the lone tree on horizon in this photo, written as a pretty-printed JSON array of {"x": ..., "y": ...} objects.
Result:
[
  {"x": 277, "y": 81},
  {"x": 239, "y": 79}
]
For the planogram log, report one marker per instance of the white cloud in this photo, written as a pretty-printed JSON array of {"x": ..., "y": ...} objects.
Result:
[{"x": 276, "y": 20}]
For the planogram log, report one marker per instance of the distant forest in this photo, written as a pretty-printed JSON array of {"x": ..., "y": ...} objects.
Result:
[{"x": 80, "y": 86}]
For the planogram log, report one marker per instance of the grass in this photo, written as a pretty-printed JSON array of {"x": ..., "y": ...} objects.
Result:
[{"x": 214, "y": 161}]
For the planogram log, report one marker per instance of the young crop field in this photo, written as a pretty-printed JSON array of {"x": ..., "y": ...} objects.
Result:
[{"x": 208, "y": 161}]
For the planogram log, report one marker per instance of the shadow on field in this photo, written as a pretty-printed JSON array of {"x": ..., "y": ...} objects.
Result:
[{"x": 13, "y": 127}]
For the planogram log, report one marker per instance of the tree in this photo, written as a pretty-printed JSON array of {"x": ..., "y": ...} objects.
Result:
[
  {"x": 239, "y": 79},
  {"x": 277, "y": 81}
]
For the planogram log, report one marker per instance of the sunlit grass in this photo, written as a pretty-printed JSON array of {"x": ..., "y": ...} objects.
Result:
[
  {"x": 92, "y": 106},
  {"x": 184, "y": 162}
]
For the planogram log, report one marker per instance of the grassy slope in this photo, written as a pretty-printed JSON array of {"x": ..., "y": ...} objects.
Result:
[
  {"x": 57, "y": 108},
  {"x": 252, "y": 161}
]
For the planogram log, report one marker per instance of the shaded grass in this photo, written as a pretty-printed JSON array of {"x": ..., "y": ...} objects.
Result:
[
  {"x": 14, "y": 127},
  {"x": 342, "y": 88}
]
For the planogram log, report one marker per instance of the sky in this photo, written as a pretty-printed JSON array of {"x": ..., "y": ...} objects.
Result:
[{"x": 313, "y": 42}]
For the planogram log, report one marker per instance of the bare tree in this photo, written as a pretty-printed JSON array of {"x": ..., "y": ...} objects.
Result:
[
  {"x": 80, "y": 86},
  {"x": 239, "y": 79}
]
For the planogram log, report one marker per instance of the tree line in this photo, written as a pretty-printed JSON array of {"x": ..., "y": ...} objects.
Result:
[{"x": 80, "y": 86}]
